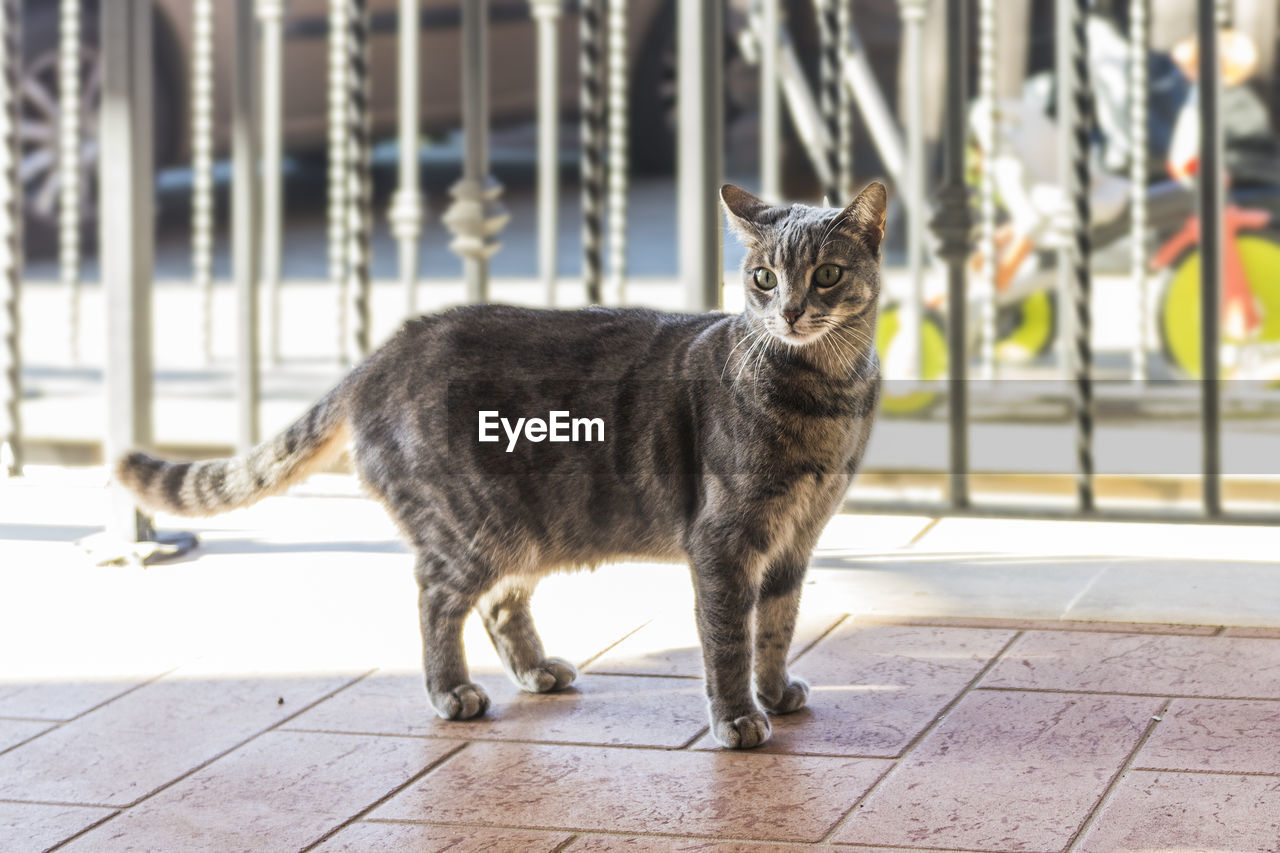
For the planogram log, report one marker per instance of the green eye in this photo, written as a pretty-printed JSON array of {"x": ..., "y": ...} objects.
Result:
[
  {"x": 765, "y": 278},
  {"x": 827, "y": 275}
]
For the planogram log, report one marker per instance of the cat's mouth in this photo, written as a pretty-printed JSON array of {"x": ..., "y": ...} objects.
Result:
[{"x": 797, "y": 336}]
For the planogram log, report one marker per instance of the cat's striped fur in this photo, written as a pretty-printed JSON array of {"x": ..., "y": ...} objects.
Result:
[{"x": 729, "y": 442}]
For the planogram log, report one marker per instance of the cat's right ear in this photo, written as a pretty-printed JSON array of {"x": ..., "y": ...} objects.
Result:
[{"x": 746, "y": 214}]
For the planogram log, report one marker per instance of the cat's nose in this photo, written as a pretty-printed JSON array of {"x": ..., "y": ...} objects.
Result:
[{"x": 792, "y": 316}]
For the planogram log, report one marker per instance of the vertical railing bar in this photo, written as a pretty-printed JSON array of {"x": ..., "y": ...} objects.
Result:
[
  {"x": 547, "y": 14},
  {"x": 590, "y": 69},
  {"x": 202, "y": 198},
  {"x": 339, "y": 164},
  {"x": 10, "y": 238},
  {"x": 1139, "y": 38},
  {"x": 70, "y": 152},
  {"x": 912, "y": 312},
  {"x": 360, "y": 175},
  {"x": 616, "y": 60},
  {"x": 829, "y": 91},
  {"x": 951, "y": 224},
  {"x": 245, "y": 222},
  {"x": 1211, "y": 246},
  {"x": 1075, "y": 116},
  {"x": 767, "y": 36},
  {"x": 844, "y": 102},
  {"x": 125, "y": 178},
  {"x": 476, "y": 214},
  {"x": 407, "y": 204},
  {"x": 989, "y": 138},
  {"x": 271, "y": 15},
  {"x": 700, "y": 150},
  {"x": 1223, "y": 14}
]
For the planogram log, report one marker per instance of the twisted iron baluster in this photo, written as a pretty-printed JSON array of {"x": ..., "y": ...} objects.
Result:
[
  {"x": 592, "y": 148},
  {"x": 69, "y": 153},
  {"x": 10, "y": 236},
  {"x": 617, "y": 76},
  {"x": 339, "y": 163},
  {"x": 360, "y": 193},
  {"x": 202, "y": 199},
  {"x": 1075, "y": 117}
]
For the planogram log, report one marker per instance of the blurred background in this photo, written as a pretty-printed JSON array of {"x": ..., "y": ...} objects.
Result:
[{"x": 575, "y": 196}]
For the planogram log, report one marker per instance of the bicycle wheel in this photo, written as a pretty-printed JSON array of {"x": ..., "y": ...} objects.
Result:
[
  {"x": 1179, "y": 313},
  {"x": 1025, "y": 330},
  {"x": 933, "y": 343}
]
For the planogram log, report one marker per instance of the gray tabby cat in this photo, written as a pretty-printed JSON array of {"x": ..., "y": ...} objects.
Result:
[{"x": 729, "y": 442}]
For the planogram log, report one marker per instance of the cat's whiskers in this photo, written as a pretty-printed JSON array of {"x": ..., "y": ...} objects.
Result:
[
  {"x": 755, "y": 380},
  {"x": 761, "y": 334},
  {"x": 832, "y": 340},
  {"x": 750, "y": 335},
  {"x": 854, "y": 339},
  {"x": 826, "y": 235}
]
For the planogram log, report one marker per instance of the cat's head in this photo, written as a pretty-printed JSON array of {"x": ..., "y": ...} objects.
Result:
[{"x": 809, "y": 269}]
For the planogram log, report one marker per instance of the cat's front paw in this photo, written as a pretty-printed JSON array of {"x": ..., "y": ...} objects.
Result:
[
  {"x": 742, "y": 732},
  {"x": 791, "y": 696},
  {"x": 551, "y": 674},
  {"x": 461, "y": 703}
]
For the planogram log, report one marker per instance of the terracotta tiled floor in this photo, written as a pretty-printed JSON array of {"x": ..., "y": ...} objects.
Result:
[{"x": 265, "y": 696}]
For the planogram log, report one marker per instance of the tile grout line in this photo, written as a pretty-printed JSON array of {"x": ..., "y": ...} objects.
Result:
[
  {"x": 432, "y": 765},
  {"x": 1109, "y": 792},
  {"x": 586, "y": 663},
  {"x": 844, "y": 617},
  {"x": 702, "y": 732},
  {"x": 26, "y": 741},
  {"x": 611, "y": 833},
  {"x": 1260, "y": 774},
  {"x": 923, "y": 532},
  {"x": 619, "y": 674},
  {"x": 1085, "y": 590},
  {"x": 54, "y": 725},
  {"x": 45, "y": 720},
  {"x": 58, "y": 803},
  {"x": 90, "y": 828},
  {"x": 996, "y": 688},
  {"x": 202, "y": 765},
  {"x": 650, "y": 747},
  {"x": 566, "y": 844},
  {"x": 1049, "y": 625},
  {"x": 923, "y": 733}
]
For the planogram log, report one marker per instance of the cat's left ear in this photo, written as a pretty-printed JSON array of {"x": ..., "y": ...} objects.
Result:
[
  {"x": 747, "y": 215},
  {"x": 864, "y": 219}
]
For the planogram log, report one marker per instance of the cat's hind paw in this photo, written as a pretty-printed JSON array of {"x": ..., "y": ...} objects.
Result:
[
  {"x": 792, "y": 697},
  {"x": 549, "y": 675},
  {"x": 461, "y": 703},
  {"x": 742, "y": 732}
]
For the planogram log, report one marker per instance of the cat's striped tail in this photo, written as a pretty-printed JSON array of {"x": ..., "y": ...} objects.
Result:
[{"x": 220, "y": 485}]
